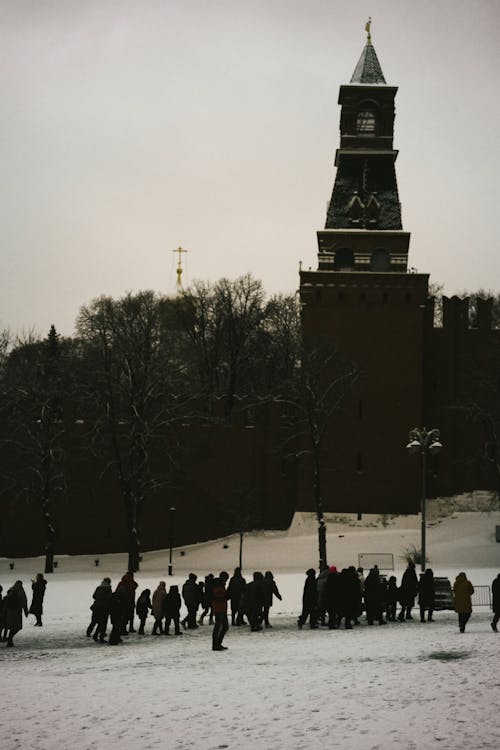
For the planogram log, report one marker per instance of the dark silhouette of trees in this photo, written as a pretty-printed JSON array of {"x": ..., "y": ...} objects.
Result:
[
  {"x": 236, "y": 343},
  {"x": 310, "y": 404},
  {"x": 34, "y": 379},
  {"x": 133, "y": 393}
]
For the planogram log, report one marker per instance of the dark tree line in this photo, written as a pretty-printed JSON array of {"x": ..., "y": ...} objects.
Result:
[{"x": 137, "y": 367}]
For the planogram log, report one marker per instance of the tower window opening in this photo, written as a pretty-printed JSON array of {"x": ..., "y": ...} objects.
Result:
[
  {"x": 366, "y": 122},
  {"x": 344, "y": 260}
]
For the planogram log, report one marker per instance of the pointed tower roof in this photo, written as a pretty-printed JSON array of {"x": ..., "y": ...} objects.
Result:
[{"x": 368, "y": 69}]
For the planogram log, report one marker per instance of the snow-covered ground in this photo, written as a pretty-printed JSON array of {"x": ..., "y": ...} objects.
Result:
[{"x": 405, "y": 685}]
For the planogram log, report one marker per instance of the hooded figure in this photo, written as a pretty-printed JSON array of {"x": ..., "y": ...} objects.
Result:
[
  {"x": 15, "y": 604},
  {"x": 142, "y": 608},
  {"x": 309, "y": 601},
  {"x": 426, "y": 593},
  {"x": 270, "y": 590},
  {"x": 100, "y": 610},
  {"x": 462, "y": 597},
  {"x": 38, "y": 587},
  {"x": 158, "y": 607}
]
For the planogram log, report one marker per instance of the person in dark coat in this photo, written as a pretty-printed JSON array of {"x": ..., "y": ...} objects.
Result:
[
  {"x": 118, "y": 613},
  {"x": 142, "y": 608},
  {"x": 15, "y": 604},
  {"x": 129, "y": 586},
  {"x": 235, "y": 591},
  {"x": 124, "y": 597},
  {"x": 309, "y": 601},
  {"x": 101, "y": 609},
  {"x": 206, "y": 596},
  {"x": 374, "y": 597},
  {"x": 426, "y": 594},
  {"x": 253, "y": 601},
  {"x": 350, "y": 596},
  {"x": 495, "y": 605},
  {"x": 408, "y": 591},
  {"x": 38, "y": 587},
  {"x": 391, "y": 599},
  {"x": 172, "y": 609},
  {"x": 191, "y": 596},
  {"x": 159, "y": 607},
  {"x": 219, "y": 607},
  {"x": 331, "y": 596},
  {"x": 320, "y": 586},
  {"x": 270, "y": 589}
]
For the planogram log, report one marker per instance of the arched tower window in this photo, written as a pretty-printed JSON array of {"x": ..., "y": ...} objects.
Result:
[
  {"x": 366, "y": 121},
  {"x": 380, "y": 260},
  {"x": 344, "y": 260}
]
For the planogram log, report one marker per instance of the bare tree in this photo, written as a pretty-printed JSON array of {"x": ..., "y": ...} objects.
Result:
[
  {"x": 236, "y": 344},
  {"x": 33, "y": 384},
  {"x": 310, "y": 405},
  {"x": 131, "y": 389}
]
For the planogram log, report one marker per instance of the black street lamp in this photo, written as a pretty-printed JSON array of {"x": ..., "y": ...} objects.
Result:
[
  {"x": 424, "y": 442},
  {"x": 171, "y": 530}
]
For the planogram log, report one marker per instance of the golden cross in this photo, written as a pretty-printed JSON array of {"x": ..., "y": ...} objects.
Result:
[{"x": 178, "y": 270}]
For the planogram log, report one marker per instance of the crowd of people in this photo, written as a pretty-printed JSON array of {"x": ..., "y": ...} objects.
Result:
[
  {"x": 15, "y": 603},
  {"x": 338, "y": 598},
  {"x": 249, "y": 603},
  {"x": 332, "y": 599}
]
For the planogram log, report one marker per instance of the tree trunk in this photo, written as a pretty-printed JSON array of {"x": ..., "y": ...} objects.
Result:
[
  {"x": 133, "y": 554},
  {"x": 319, "y": 510},
  {"x": 241, "y": 550},
  {"x": 133, "y": 535},
  {"x": 49, "y": 557}
]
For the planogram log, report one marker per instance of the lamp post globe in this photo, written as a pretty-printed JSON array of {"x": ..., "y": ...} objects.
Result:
[{"x": 424, "y": 441}]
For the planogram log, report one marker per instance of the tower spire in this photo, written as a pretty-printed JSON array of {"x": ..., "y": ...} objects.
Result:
[
  {"x": 178, "y": 270},
  {"x": 367, "y": 29}
]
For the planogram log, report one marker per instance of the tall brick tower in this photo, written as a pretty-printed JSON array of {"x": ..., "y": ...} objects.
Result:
[{"x": 363, "y": 300}]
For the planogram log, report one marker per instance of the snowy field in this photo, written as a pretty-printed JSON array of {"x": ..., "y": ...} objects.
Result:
[{"x": 404, "y": 685}]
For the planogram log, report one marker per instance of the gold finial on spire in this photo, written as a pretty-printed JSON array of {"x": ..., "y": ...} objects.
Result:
[
  {"x": 178, "y": 270},
  {"x": 367, "y": 29}
]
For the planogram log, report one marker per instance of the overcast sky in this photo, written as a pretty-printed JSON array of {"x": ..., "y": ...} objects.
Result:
[{"x": 131, "y": 127}]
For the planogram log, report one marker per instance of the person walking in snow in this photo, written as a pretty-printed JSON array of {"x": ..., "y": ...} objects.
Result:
[
  {"x": 38, "y": 587},
  {"x": 253, "y": 602},
  {"x": 309, "y": 601},
  {"x": 172, "y": 609},
  {"x": 426, "y": 594},
  {"x": 219, "y": 607},
  {"x": 331, "y": 596},
  {"x": 191, "y": 596},
  {"x": 142, "y": 608},
  {"x": 391, "y": 599},
  {"x": 270, "y": 589},
  {"x": 100, "y": 610},
  {"x": 495, "y": 605},
  {"x": 15, "y": 604},
  {"x": 462, "y": 596},
  {"x": 129, "y": 586},
  {"x": 158, "y": 607},
  {"x": 321, "y": 588},
  {"x": 374, "y": 597},
  {"x": 235, "y": 590},
  {"x": 408, "y": 591},
  {"x": 117, "y": 614},
  {"x": 206, "y": 596}
]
